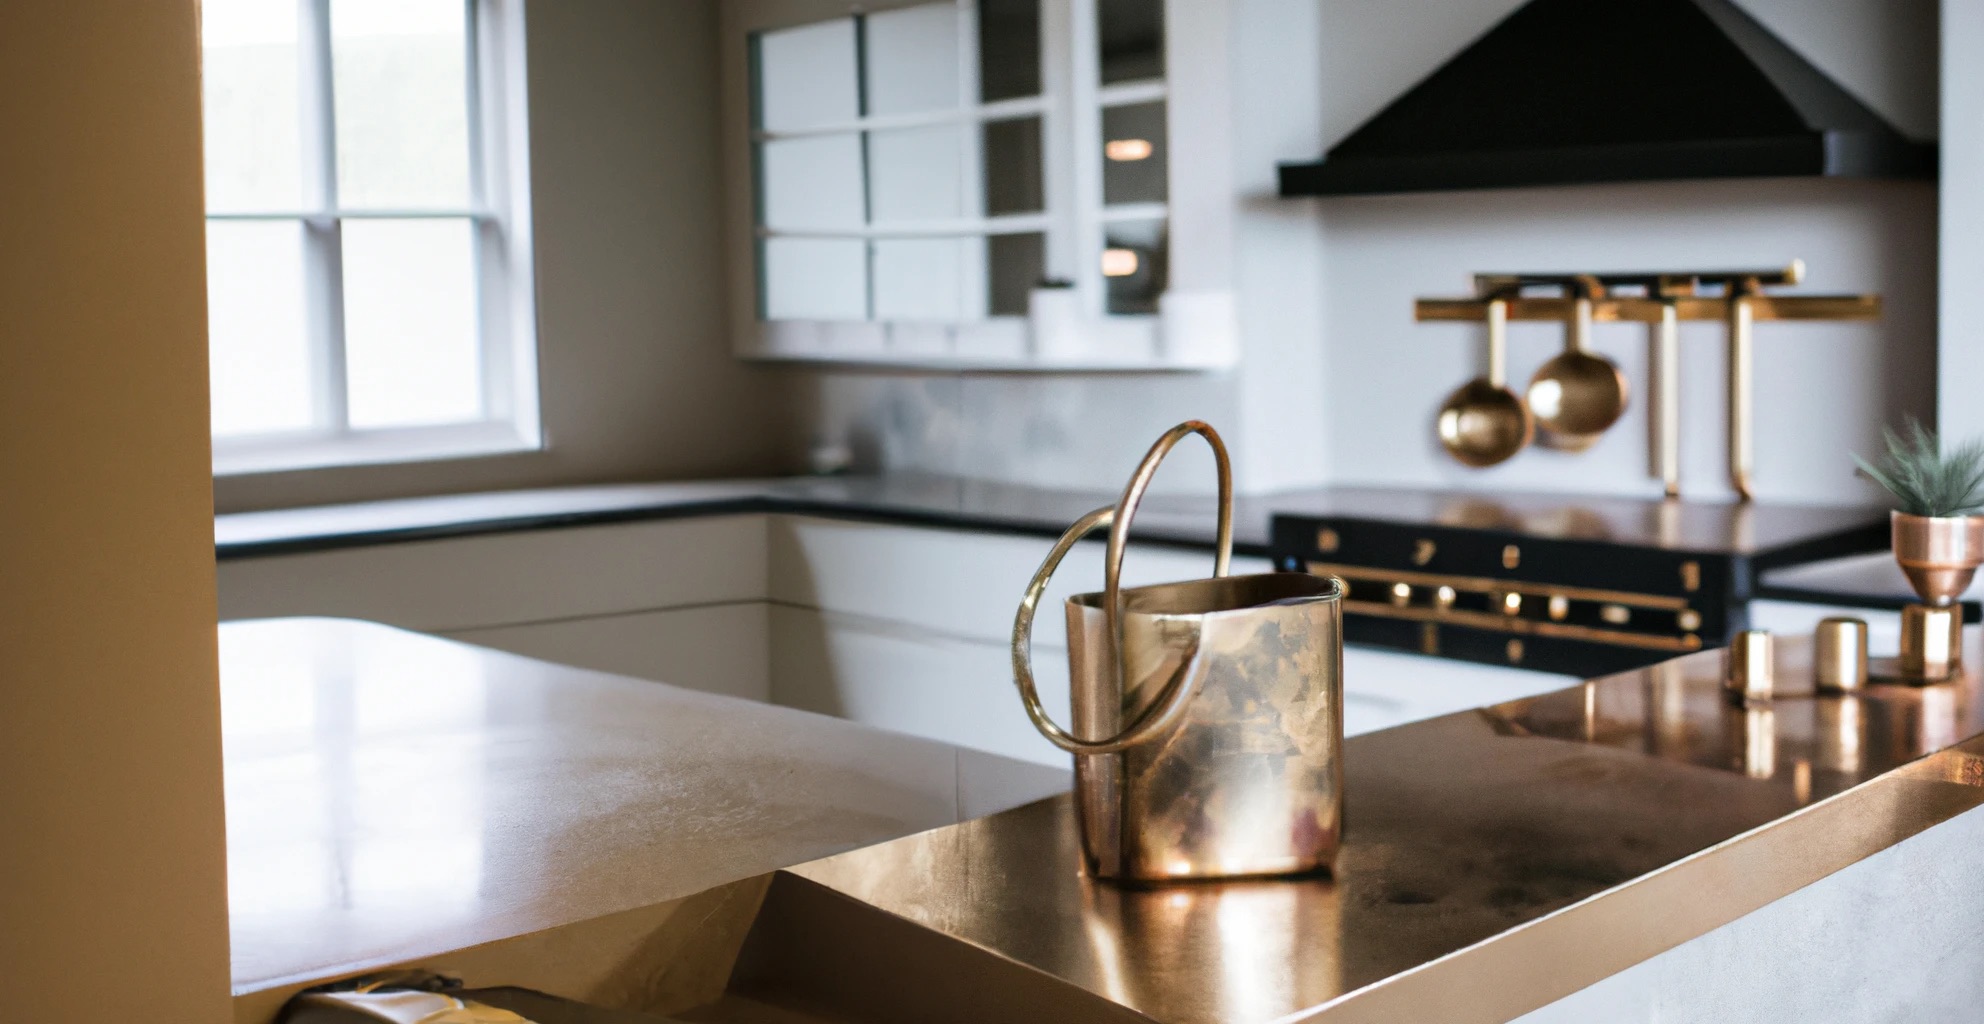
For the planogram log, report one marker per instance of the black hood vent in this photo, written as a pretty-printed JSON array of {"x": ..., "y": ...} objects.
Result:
[{"x": 1580, "y": 91}]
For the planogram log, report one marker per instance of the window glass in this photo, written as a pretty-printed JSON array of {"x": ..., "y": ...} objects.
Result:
[
  {"x": 812, "y": 182},
  {"x": 1133, "y": 153},
  {"x": 1016, "y": 265},
  {"x": 250, "y": 80},
  {"x": 910, "y": 56},
  {"x": 1132, "y": 39},
  {"x": 916, "y": 174},
  {"x": 815, "y": 279},
  {"x": 401, "y": 87},
  {"x": 806, "y": 76},
  {"x": 924, "y": 278},
  {"x": 1134, "y": 261},
  {"x": 259, "y": 348},
  {"x": 1014, "y": 176},
  {"x": 1008, "y": 49},
  {"x": 411, "y": 355}
]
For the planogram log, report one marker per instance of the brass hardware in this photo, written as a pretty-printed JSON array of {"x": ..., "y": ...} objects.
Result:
[
  {"x": 1444, "y": 597},
  {"x": 1488, "y": 584},
  {"x": 1529, "y": 627},
  {"x": 1422, "y": 551},
  {"x": 1741, "y": 442},
  {"x": 1691, "y": 576},
  {"x": 1429, "y": 638},
  {"x": 1327, "y": 540},
  {"x": 1688, "y": 619},
  {"x": 1250, "y": 667},
  {"x": 1511, "y": 556},
  {"x": 1749, "y": 674},
  {"x": 1560, "y": 607},
  {"x": 1665, "y": 282},
  {"x": 1401, "y": 594},
  {"x": 1483, "y": 422},
  {"x": 1931, "y": 643},
  {"x": 1514, "y": 651},
  {"x": 1616, "y": 614},
  {"x": 1577, "y": 395},
  {"x": 1631, "y": 309},
  {"x": 1511, "y": 603},
  {"x": 1839, "y": 655},
  {"x": 1664, "y": 401}
]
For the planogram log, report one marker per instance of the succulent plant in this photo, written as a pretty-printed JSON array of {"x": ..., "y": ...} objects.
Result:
[{"x": 1925, "y": 480}]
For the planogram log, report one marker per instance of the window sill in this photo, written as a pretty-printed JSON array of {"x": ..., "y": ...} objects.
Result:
[{"x": 276, "y": 454}]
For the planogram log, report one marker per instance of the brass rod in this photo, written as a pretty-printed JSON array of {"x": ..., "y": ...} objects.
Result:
[
  {"x": 1665, "y": 281},
  {"x": 1664, "y": 411},
  {"x": 1741, "y": 443},
  {"x": 1651, "y": 311}
]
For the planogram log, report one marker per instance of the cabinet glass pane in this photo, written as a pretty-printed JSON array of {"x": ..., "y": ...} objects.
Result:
[
  {"x": 249, "y": 76},
  {"x": 925, "y": 278},
  {"x": 411, "y": 352},
  {"x": 916, "y": 174},
  {"x": 258, "y": 335},
  {"x": 1016, "y": 265},
  {"x": 806, "y": 76},
  {"x": 401, "y": 82},
  {"x": 1013, "y": 174},
  {"x": 1134, "y": 265},
  {"x": 812, "y": 182},
  {"x": 1132, "y": 39},
  {"x": 1133, "y": 153},
  {"x": 1008, "y": 49},
  {"x": 911, "y": 59},
  {"x": 815, "y": 278}
]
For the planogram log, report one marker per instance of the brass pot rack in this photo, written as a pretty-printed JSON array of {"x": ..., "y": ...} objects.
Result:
[{"x": 1661, "y": 299}]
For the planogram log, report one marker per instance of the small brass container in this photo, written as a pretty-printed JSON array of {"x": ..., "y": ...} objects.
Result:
[
  {"x": 1931, "y": 642},
  {"x": 1750, "y": 674},
  {"x": 1839, "y": 655}
]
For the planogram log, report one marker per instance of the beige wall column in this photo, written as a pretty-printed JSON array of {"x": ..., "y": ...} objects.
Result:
[{"x": 113, "y": 904}]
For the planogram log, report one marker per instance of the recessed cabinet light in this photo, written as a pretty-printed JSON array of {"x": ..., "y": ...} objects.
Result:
[
  {"x": 1126, "y": 150},
  {"x": 1119, "y": 262}
]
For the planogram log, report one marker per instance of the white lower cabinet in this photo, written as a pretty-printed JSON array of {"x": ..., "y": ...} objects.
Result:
[{"x": 903, "y": 628}]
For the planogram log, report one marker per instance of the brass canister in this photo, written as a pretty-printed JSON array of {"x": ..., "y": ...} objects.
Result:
[{"x": 1208, "y": 714}]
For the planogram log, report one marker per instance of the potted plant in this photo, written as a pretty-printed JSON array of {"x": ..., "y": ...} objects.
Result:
[{"x": 1938, "y": 535}]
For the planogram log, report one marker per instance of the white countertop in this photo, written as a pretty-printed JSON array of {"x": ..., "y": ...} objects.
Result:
[{"x": 392, "y": 795}]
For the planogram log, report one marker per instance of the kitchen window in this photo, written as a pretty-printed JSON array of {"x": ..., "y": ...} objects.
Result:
[
  {"x": 963, "y": 183},
  {"x": 368, "y": 249}
]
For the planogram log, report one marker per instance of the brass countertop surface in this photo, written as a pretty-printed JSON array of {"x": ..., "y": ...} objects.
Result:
[{"x": 1494, "y": 861}]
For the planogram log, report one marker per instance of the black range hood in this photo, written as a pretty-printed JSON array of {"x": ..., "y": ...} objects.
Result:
[{"x": 1581, "y": 91}]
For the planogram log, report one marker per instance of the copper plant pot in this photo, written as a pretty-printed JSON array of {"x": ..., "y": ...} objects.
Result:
[{"x": 1938, "y": 554}]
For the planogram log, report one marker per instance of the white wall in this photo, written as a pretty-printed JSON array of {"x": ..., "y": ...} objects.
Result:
[
  {"x": 1960, "y": 358},
  {"x": 634, "y": 364},
  {"x": 112, "y": 840}
]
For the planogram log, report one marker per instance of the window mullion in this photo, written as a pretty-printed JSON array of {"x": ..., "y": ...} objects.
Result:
[{"x": 324, "y": 235}]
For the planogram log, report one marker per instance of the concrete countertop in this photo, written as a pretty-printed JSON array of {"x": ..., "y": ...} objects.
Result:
[{"x": 393, "y": 796}]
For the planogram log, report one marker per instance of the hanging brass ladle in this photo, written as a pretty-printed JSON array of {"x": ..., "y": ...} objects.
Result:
[
  {"x": 1483, "y": 422},
  {"x": 1577, "y": 395}
]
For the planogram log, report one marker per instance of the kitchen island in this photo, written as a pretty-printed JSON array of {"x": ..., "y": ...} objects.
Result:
[{"x": 397, "y": 799}]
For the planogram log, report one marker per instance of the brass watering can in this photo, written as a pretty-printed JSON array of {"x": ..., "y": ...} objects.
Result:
[{"x": 1208, "y": 714}]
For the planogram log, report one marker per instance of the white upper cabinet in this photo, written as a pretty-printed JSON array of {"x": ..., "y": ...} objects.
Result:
[{"x": 966, "y": 183}]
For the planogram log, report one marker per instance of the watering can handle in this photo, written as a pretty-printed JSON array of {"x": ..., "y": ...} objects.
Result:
[{"x": 1164, "y": 712}]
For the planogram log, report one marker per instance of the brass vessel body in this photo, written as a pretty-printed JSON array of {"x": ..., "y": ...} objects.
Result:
[
  {"x": 1839, "y": 655},
  {"x": 1938, "y": 554},
  {"x": 1577, "y": 395},
  {"x": 1931, "y": 643},
  {"x": 1248, "y": 781}
]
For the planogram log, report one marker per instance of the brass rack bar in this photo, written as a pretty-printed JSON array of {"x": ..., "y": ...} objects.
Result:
[
  {"x": 1669, "y": 282},
  {"x": 1649, "y": 311}
]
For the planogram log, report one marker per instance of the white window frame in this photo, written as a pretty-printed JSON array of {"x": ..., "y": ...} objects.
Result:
[
  {"x": 1196, "y": 323},
  {"x": 499, "y": 210}
]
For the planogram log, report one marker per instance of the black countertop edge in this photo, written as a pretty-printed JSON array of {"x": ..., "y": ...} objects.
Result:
[{"x": 705, "y": 508}]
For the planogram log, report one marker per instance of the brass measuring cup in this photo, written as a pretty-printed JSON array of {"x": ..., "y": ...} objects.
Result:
[{"x": 1208, "y": 714}]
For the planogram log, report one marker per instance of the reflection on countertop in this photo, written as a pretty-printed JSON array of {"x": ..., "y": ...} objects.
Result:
[
  {"x": 393, "y": 796},
  {"x": 1494, "y": 861}
]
